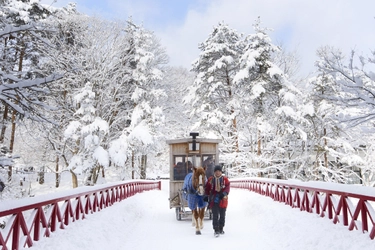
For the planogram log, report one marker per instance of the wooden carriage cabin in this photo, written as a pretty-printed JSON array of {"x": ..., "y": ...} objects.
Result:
[{"x": 186, "y": 153}]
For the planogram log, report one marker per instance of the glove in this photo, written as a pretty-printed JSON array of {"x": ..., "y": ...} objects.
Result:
[
  {"x": 217, "y": 199},
  {"x": 205, "y": 198},
  {"x": 221, "y": 195}
]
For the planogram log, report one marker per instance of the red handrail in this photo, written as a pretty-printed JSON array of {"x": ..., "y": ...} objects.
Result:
[
  {"x": 352, "y": 209},
  {"x": 24, "y": 224}
]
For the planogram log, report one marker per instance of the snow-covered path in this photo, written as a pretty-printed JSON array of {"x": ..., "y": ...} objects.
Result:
[{"x": 253, "y": 222}]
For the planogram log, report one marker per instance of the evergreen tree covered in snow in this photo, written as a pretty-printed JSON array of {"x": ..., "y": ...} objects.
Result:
[
  {"x": 123, "y": 63},
  {"x": 117, "y": 102},
  {"x": 272, "y": 111},
  {"x": 242, "y": 95},
  {"x": 214, "y": 96},
  {"x": 146, "y": 117},
  {"x": 86, "y": 136}
]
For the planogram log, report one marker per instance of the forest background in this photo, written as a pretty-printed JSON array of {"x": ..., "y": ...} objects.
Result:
[{"x": 95, "y": 100}]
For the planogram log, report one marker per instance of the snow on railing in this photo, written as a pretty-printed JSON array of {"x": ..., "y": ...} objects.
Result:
[
  {"x": 352, "y": 206},
  {"x": 27, "y": 220}
]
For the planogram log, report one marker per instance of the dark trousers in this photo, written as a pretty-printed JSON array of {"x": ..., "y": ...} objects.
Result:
[{"x": 218, "y": 217}]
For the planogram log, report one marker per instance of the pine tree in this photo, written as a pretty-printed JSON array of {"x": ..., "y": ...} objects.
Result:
[
  {"x": 214, "y": 96},
  {"x": 146, "y": 117},
  {"x": 271, "y": 111},
  {"x": 86, "y": 135}
]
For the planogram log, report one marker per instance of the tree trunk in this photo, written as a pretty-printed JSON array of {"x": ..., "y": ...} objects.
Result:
[
  {"x": 57, "y": 175},
  {"x": 234, "y": 131},
  {"x": 143, "y": 166},
  {"x": 10, "y": 169},
  {"x": 317, "y": 163},
  {"x": 74, "y": 179},
  {"x": 5, "y": 114},
  {"x": 360, "y": 176},
  {"x": 41, "y": 175},
  {"x": 325, "y": 152},
  {"x": 259, "y": 143},
  {"x": 259, "y": 150},
  {"x": 89, "y": 178},
  {"x": 3, "y": 128},
  {"x": 13, "y": 132},
  {"x": 236, "y": 144},
  {"x": 11, "y": 145},
  {"x": 132, "y": 163},
  {"x": 96, "y": 174},
  {"x": 235, "y": 138}
]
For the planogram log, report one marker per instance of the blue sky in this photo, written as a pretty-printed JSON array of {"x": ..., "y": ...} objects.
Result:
[
  {"x": 299, "y": 25},
  {"x": 153, "y": 13}
]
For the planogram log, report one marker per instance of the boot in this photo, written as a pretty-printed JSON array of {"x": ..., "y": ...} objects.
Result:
[
  {"x": 216, "y": 232},
  {"x": 221, "y": 231}
]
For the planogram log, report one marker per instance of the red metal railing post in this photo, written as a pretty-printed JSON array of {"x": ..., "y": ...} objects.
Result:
[
  {"x": 16, "y": 233},
  {"x": 344, "y": 211},
  {"x": 364, "y": 217}
]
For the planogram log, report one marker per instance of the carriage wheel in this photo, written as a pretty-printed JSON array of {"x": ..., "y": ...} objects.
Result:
[{"x": 178, "y": 214}]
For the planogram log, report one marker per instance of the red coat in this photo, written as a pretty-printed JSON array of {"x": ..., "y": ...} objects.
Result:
[{"x": 224, "y": 190}]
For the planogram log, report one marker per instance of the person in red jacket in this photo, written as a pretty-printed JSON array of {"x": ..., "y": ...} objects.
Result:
[{"x": 217, "y": 190}]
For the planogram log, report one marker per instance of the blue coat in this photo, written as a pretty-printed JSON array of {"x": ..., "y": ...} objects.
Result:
[{"x": 190, "y": 194}]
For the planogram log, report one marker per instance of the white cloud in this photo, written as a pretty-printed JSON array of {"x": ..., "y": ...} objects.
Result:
[{"x": 299, "y": 25}]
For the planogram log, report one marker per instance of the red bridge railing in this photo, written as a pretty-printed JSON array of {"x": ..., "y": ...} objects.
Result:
[
  {"x": 24, "y": 221},
  {"x": 338, "y": 202}
]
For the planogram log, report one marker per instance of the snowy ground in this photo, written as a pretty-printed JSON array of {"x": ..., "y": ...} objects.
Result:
[{"x": 255, "y": 222}]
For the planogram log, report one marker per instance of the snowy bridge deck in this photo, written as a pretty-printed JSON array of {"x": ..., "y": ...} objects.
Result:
[{"x": 145, "y": 221}]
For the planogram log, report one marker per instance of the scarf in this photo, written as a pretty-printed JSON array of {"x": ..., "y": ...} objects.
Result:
[{"x": 218, "y": 182}]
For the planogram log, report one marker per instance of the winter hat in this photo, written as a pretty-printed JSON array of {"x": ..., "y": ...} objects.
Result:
[{"x": 218, "y": 167}]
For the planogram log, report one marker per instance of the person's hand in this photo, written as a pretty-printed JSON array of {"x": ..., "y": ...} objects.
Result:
[{"x": 224, "y": 195}]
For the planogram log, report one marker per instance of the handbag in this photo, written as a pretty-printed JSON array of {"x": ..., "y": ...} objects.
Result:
[{"x": 223, "y": 203}]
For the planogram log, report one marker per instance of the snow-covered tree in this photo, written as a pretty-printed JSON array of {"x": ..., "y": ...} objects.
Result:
[
  {"x": 143, "y": 132},
  {"x": 259, "y": 81},
  {"x": 213, "y": 95},
  {"x": 242, "y": 94},
  {"x": 80, "y": 42},
  {"x": 86, "y": 135},
  {"x": 123, "y": 62},
  {"x": 344, "y": 93},
  {"x": 353, "y": 85},
  {"x": 176, "y": 83},
  {"x": 22, "y": 86},
  {"x": 270, "y": 108}
]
